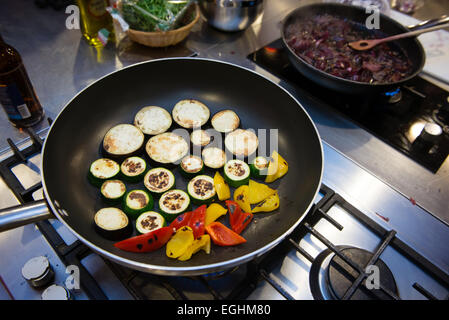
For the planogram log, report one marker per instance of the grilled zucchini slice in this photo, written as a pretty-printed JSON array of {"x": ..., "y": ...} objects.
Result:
[
  {"x": 173, "y": 203},
  {"x": 201, "y": 189},
  {"x": 236, "y": 173}
]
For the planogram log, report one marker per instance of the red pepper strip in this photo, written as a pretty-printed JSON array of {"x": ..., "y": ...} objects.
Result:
[
  {"x": 244, "y": 219},
  {"x": 222, "y": 235},
  {"x": 234, "y": 212},
  {"x": 197, "y": 221},
  {"x": 181, "y": 220},
  {"x": 146, "y": 242}
]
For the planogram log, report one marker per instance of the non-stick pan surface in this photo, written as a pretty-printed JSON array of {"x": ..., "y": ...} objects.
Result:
[
  {"x": 410, "y": 46},
  {"x": 76, "y": 135}
]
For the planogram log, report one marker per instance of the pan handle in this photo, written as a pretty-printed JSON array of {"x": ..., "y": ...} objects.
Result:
[
  {"x": 21, "y": 215},
  {"x": 430, "y": 23}
]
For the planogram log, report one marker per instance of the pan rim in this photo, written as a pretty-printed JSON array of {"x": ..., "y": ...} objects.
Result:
[
  {"x": 194, "y": 270},
  {"x": 347, "y": 81}
]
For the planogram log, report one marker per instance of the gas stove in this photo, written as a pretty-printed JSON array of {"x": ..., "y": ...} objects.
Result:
[{"x": 362, "y": 240}]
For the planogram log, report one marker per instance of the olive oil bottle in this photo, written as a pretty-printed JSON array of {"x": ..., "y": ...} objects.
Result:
[
  {"x": 17, "y": 95},
  {"x": 95, "y": 19}
]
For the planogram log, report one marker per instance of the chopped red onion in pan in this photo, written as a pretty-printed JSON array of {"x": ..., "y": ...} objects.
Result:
[{"x": 322, "y": 41}]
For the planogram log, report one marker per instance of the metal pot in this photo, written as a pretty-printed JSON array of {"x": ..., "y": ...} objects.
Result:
[{"x": 231, "y": 15}]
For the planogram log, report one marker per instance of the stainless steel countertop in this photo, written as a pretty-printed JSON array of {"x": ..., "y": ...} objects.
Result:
[{"x": 60, "y": 64}]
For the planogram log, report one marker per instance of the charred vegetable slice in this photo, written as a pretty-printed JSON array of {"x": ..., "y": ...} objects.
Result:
[
  {"x": 133, "y": 169},
  {"x": 214, "y": 157},
  {"x": 149, "y": 221},
  {"x": 159, "y": 180},
  {"x": 146, "y": 242},
  {"x": 200, "y": 138},
  {"x": 238, "y": 219},
  {"x": 258, "y": 192},
  {"x": 123, "y": 139},
  {"x": 112, "y": 223},
  {"x": 180, "y": 242},
  {"x": 269, "y": 204},
  {"x": 236, "y": 173},
  {"x": 202, "y": 243},
  {"x": 166, "y": 148},
  {"x": 241, "y": 196},
  {"x": 113, "y": 190},
  {"x": 225, "y": 121},
  {"x": 277, "y": 167},
  {"x": 136, "y": 202},
  {"x": 201, "y": 189},
  {"x": 153, "y": 120},
  {"x": 222, "y": 235},
  {"x": 241, "y": 142},
  {"x": 221, "y": 187},
  {"x": 191, "y": 166},
  {"x": 190, "y": 113},
  {"x": 259, "y": 167},
  {"x": 173, "y": 203},
  {"x": 101, "y": 170}
]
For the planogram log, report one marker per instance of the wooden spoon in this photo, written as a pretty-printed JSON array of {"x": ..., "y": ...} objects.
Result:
[{"x": 368, "y": 44}]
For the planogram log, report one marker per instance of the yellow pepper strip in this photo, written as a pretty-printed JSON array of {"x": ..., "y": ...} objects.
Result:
[
  {"x": 258, "y": 192},
  {"x": 213, "y": 212},
  {"x": 269, "y": 204},
  {"x": 277, "y": 167},
  {"x": 221, "y": 187},
  {"x": 179, "y": 242},
  {"x": 242, "y": 198},
  {"x": 202, "y": 243}
]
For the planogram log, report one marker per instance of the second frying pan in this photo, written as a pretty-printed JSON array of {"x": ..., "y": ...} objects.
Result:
[{"x": 411, "y": 47}]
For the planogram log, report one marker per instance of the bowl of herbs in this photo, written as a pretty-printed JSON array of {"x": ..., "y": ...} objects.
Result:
[{"x": 159, "y": 23}]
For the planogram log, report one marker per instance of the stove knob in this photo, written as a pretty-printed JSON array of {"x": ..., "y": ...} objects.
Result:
[
  {"x": 431, "y": 132},
  {"x": 55, "y": 292},
  {"x": 429, "y": 137},
  {"x": 38, "y": 271}
]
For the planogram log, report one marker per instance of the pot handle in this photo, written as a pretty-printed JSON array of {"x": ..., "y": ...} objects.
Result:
[
  {"x": 21, "y": 215},
  {"x": 430, "y": 23}
]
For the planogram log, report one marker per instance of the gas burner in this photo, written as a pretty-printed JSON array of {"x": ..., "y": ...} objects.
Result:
[
  {"x": 393, "y": 96},
  {"x": 331, "y": 276}
]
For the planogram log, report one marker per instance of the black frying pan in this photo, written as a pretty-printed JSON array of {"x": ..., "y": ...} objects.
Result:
[
  {"x": 76, "y": 134},
  {"x": 410, "y": 46}
]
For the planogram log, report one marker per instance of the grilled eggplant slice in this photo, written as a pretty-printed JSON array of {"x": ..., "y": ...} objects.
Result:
[
  {"x": 166, "y": 148},
  {"x": 173, "y": 203},
  {"x": 153, "y": 120},
  {"x": 133, "y": 169},
  {"x": 236, "y": 173},
  {"x": 158, "y": 181},
  {"x": 201, "y": 190},
  {"x": 214, "y": 157},
  {"x": 241, "y": 142},
  {"x": 225, "y": 121},
  {"x": 190, "y": 113},
  {"x": 113, "y": 190},
  {"x": 112, "y": 223},
  {"x": 191, "y": 166},
  {"x": 101, "y": 170},
  {"x": 123, "y": 140},
  {"x": 149, "y": 221},
  {"x": 200, "y": 138},
  {"x": 136, "y": 202}
]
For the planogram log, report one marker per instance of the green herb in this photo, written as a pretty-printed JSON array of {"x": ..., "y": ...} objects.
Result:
[{"x": 150, "y": 15}]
